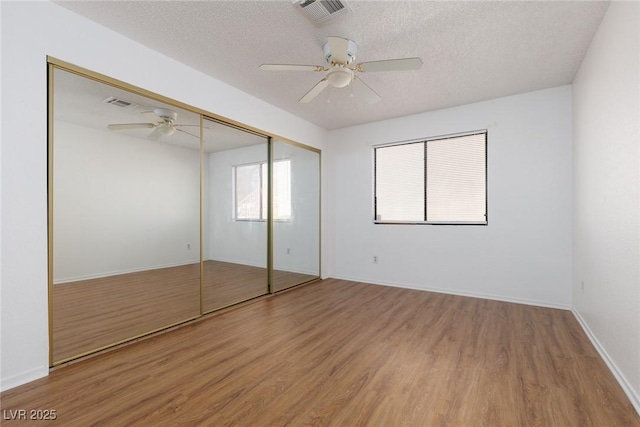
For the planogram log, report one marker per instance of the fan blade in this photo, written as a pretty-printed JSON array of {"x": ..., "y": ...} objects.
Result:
[
  {"x": 406, "y": 64},
  {"x": 124, "y": 126},
  {"x": 315, "y": 91},
  {"x": 339, "y": 49},
  {"x": 188, "y": 133},
  {"x": 177, "y": 126},
  {"x": 363, "y": 91},
  {"x": 291, "y": 67}
]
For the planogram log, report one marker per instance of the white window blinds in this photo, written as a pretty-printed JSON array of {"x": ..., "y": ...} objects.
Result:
[
  {"x": 400, "y": 182},
  {"x": 435, "y": 181}
]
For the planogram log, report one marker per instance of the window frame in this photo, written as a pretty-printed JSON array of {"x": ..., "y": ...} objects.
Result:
[
  {"x": 234, "y": 176},
  {"x": 425, "y": 141}
]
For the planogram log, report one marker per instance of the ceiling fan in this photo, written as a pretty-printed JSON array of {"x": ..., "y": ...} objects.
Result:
[
  {"x": 340, "y": 53},
  {"x": 161, "y": 120}
]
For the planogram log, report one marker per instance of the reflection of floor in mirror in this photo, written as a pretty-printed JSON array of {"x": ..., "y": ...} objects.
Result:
[
  {"x": 286, "y": 279},
  {"x": 91, "y": 314},
  {"x": 227, "y": 283}
]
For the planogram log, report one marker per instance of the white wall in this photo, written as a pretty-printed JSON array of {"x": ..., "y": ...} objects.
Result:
[
  {"x": 524, "y": 254},
  {"x": 30, "y": 32},
  {"x": 122, "y": 204},
  {"x": 606, "y": 126}
]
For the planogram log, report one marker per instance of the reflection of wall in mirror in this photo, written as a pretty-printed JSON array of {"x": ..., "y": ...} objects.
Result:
[
  {"x": 122, "y": 204},
  {"x": 227, "y": 240},
  {"x": 296, "y": 242}
]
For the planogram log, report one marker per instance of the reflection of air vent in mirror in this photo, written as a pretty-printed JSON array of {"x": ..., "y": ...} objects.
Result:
[
  {"x": 321, "y": 11},
  {"x": 120, "y": 102}
]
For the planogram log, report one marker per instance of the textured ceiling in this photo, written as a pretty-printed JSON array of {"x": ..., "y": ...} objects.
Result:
[{"x": 472, "y": 51}]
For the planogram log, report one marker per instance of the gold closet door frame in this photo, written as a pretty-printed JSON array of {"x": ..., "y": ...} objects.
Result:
[{"x": 53, "y": 64}]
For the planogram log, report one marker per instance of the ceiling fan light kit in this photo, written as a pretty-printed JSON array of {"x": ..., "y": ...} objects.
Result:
[
  {"x": 340, "y": 77},
  {"x": 166, "y": 129},
  {"x": 340, "y": 53}
]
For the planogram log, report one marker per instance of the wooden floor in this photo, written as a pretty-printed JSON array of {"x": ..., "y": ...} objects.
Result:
[
  {"x": 341, "y": 353},
  {"x": 92, "y": 314}
]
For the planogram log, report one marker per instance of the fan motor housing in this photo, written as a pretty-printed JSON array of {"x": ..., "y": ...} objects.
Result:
[
  {"x": 352, "y": 48},
  {"x": 166, "y": 114}
]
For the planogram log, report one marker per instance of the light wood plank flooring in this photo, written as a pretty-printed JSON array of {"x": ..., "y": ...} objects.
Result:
[
  {"x": 91, "y": 314},
  {"x": 342, "y": 353}
]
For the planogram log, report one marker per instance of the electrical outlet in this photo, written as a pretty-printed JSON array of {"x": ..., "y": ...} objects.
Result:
[
  {"x": 582, "y": 286},
  {"x": 375, "y": 259},
  {"x": 188, "y": 245},
  {"x": 288, "y": 251}
]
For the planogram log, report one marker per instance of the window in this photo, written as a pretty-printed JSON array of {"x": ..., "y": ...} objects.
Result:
[
  {"x": 436, "y": 181},
  {"x": 250, "y": 191}
]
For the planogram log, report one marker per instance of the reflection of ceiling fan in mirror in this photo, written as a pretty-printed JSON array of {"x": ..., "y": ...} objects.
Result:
[
  {"x": 161, "y": 120},
  {"x": 340, "y": 53}
]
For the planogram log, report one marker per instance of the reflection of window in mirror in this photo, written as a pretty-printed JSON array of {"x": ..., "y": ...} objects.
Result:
[{"x": 250, "y": 182}]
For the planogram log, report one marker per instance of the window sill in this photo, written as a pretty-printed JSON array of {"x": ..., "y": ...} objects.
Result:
[
  {"x": 259, "y": 220},
  {"x": 431, "y": 222}
]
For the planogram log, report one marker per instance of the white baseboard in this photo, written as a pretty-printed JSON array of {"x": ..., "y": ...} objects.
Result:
[
  {"x": 23, "y": 378},
  {"x": 127, "y": 271},
  {"x": 633, "y": 396},
  {"x": 237, "y": 261},
  {"x": 297, "y": 271},
  {"x": 503, "y": 298}
]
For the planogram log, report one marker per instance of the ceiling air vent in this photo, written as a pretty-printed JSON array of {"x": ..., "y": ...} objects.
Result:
[
  {"x": 119, "y": 102},
  {"x": 321, "y": 11}
]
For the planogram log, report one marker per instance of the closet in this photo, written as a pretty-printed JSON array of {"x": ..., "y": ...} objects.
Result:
[{"x": 160, "y": 212}]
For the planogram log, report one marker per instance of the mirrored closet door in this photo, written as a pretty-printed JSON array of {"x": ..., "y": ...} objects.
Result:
[
  {"x": 235, "y": 172},
  {"x": 125, "y": 215},
  {"x": 296, "y": 215},
  {"x": 159, "y": 213}
]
